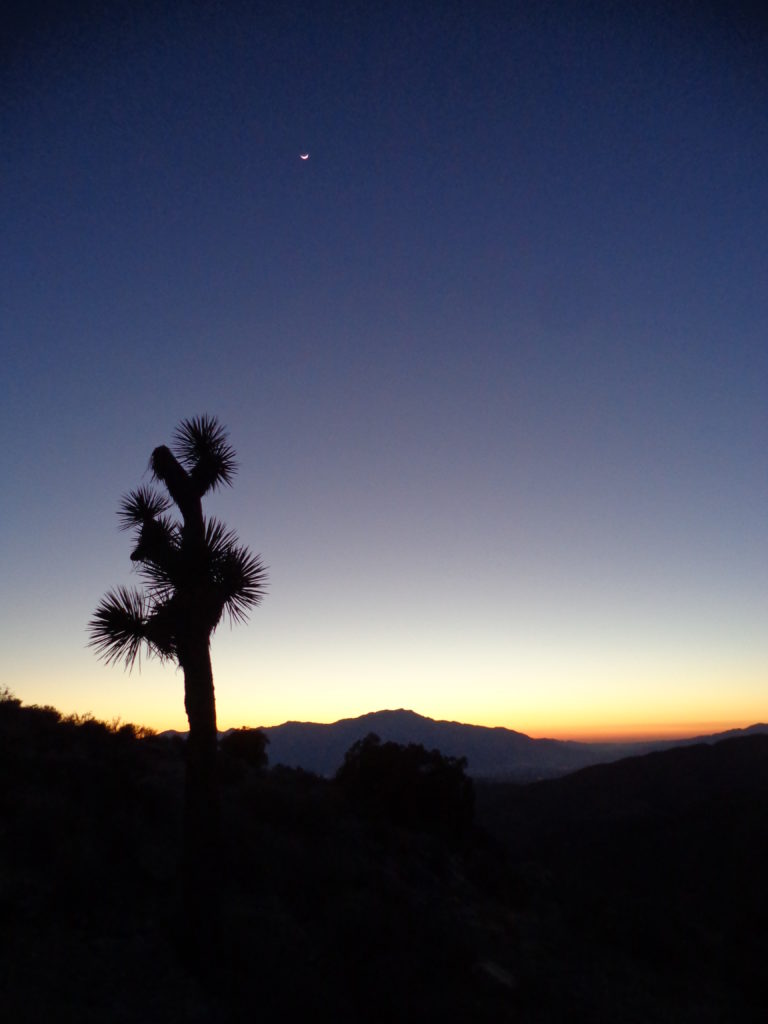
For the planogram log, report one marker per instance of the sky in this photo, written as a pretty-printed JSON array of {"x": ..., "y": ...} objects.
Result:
[{"x": 493, "y": 358}]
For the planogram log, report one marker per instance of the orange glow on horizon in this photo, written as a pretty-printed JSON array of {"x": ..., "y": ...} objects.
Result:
[
  {"x": 641, "y": 732},
  {"x": 154, "y": 698},
  {"x": 621, "y": 732},
  {"x": 167, "y": 717}
]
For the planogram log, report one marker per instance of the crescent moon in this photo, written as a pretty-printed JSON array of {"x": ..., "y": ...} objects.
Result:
[{"x": 304, "y": 156}]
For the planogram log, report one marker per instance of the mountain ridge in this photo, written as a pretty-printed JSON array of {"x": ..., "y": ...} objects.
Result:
[{"x": 491, "y": 751}]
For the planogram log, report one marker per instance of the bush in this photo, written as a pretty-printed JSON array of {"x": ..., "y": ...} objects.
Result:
[
  {"x": 9, "y": 705},
  {"x": 409, "y": 785},
  {"x": 246, "y": 748}
]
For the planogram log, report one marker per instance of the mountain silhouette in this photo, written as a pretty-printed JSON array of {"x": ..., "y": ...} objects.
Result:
[{"x": 491, "y": 752}]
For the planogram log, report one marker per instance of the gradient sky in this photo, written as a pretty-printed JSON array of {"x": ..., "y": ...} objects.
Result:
[{"x": 494, "y": 359}]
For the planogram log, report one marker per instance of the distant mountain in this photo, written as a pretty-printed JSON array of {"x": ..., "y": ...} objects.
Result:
[{"x": 490, "y": 752}]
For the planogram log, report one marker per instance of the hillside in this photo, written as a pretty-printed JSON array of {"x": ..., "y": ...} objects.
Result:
[
  {"x": 632, "y": 891},
  {"x": 319, "y": 903},
  {"x": 660, "y": 861}
]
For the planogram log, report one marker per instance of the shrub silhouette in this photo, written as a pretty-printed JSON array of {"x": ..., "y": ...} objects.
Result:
[
  {"x": 409, "y": 785},
  {"x": 244, "y": 748}
]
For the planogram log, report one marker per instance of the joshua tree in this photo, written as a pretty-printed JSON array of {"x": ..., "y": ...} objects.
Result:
[{"x": 194, "y": 570}]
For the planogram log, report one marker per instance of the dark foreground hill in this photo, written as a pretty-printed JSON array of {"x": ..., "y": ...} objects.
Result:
[
  {"x": 658, "y": 866},
  {"x": 627, "y": 892}
]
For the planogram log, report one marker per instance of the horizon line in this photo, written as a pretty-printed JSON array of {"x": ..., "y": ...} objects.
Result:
[
  {"x": 640, "y": 733},
  {"x": 624, "y": 733}
]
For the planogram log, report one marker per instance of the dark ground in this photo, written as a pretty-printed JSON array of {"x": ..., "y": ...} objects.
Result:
[{"x": 630, "y": 892}]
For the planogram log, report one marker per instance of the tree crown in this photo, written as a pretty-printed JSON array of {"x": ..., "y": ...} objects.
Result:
[{"x": 194, "y": 569}]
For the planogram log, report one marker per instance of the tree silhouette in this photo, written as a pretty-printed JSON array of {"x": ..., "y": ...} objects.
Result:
[
  {"x": 195, "y": 571},
  {"x": 410, "y": 785}
]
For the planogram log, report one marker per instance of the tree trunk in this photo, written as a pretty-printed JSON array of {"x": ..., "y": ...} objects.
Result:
[{"x": 201, "y": 805}]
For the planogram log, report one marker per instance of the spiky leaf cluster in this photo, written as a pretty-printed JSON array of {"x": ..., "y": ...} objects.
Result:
[
  {"x": 141, "y": 506},
  {"x": 122, "y": 624},
  {"x": 202, "y": 447}
]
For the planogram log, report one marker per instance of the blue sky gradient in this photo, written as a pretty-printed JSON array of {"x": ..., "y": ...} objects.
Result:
[{"x": 494, "y": 358}]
